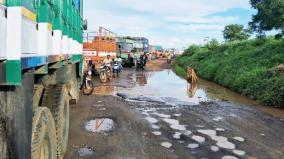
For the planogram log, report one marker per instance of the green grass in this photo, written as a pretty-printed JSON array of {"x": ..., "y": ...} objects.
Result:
[{"x": 247, "y": 67}]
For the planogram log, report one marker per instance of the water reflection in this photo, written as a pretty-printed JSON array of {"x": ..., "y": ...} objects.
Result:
[
  {"x": 192, "y": 82},
  {"x": 105, "y": 90},
  {"x": 167, "y": 84},
  {"x": 192, "y": 89}
]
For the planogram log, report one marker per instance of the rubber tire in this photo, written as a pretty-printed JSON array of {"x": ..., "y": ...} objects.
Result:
[
  {"x": 103, "y": 77},
  {"x": 60, "y": 112},
  {"x": 43, "y": 135},
  {"x": 57, "y": 99}
]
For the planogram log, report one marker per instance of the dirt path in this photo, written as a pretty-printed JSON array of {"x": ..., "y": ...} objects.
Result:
[
  {"x": 131, "y": 138},
  {"x": 214, "y": 129}
]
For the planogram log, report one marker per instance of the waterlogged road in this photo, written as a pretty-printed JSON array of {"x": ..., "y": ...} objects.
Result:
[{"x": 150, "y": 115}]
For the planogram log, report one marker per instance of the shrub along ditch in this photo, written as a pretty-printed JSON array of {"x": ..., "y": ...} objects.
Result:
[{"x": 253, "y": 67}]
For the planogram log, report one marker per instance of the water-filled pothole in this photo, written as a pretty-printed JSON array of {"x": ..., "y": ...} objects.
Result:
[
  {"x": 86, "y": 152},
  {"x": 100, "y": 125}
]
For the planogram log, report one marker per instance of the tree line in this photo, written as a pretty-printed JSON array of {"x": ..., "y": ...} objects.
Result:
[{"x": 269, "y": 16}]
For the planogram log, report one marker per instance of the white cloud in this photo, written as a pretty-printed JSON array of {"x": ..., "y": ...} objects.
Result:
[{"x": 171, "y": 23}]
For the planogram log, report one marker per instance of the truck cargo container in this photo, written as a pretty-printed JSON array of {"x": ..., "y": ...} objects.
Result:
[
  {"x": 97, "y": 45},
  {"x": 40, "y": 69},
  {"x": 145, "y": 43}
]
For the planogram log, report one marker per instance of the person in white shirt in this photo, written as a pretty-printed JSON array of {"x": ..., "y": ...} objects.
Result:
[
  {"x": 108, "y": 61},
  {"x": 118, "y": 59}
]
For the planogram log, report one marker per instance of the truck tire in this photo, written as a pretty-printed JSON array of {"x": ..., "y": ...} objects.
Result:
[
  {"x": 43, "y": 135},
  {"x": 60, "y": 112},
  {"x": 38, "y": 90},
  {"x": 56, "y": 98}
]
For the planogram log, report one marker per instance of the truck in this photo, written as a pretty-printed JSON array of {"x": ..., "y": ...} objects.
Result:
[
  {"x": 40, "y": 73},
  {"x": 135, "y": 46},
  {"x": 97, "y": 45}
]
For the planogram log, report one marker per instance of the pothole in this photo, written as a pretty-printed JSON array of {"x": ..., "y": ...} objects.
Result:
[
  {"x": 85, "y": 152},
  {"x": 166, "y": 144},
  {"x": 100, "y": 125},
  {"x": 193, "y": 146}
]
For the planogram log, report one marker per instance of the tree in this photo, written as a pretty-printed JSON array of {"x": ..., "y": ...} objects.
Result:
[
  {"x": 234, "y": 32},
  {"x": 270, "y": 15},
  {"x": 212, "y": 44}
]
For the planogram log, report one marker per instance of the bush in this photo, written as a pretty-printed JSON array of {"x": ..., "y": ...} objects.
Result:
[{"x": 249, "y": 67}]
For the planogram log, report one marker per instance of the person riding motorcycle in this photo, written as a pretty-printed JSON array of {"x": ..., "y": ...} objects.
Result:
[
  {"x": 119, "y": 61},
  {"x": 108, "y": 61}
]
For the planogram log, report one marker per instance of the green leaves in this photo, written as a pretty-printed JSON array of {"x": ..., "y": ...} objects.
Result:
[
  {"x": 241, "y": 66},
  {"x": 235, "y": 32},
  {"x": 270, "y": 15}
]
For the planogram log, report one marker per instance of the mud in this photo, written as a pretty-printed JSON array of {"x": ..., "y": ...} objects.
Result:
[{"x": 151, "y": 125}]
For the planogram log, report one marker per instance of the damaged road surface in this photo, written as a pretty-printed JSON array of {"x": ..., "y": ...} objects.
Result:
[{"x": 150, "y": 115}]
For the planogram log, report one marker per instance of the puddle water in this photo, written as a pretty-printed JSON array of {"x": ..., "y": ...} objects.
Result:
[
  {"x": 198, "y": 139},
  {"x": 105, "y": 90},
  {"x": 86, "y": 152},
  {"x": 155, "y": 127},
  {"x": 157, "y": 133},
  {"x": 229, "y": 157},
  {"x": 177, "y": 135},
  {"x": 174, "y": 124},
  {"x": 239, "y": 152},
  {"x": 151, "y": 120},
  {"x": 100, "y": 125},
  {"x": 220, "y": 129},
  {"x": 221, "y": 140},
  {"x": 161, "y": 115},
  {"x": 166, "y": 144},
  {"x": 177, "y": 115},
  {"x": 217, "y": 118},
  {"x": 192, "y": 146},
  {"x": 161, "y": 84},
  {"x": 239, "y": 139},
  {"x": 214, "y": 148}
]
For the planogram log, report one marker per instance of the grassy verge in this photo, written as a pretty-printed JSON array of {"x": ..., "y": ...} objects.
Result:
[{"x": 252, "y": 68}]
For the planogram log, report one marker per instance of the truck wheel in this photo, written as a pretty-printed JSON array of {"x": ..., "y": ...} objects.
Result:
[
  {"x": 57, "y": 99},
  {"x": 60, "y": 112},
  {"x": 38, "y": 90},
  {"x": 43, "y": 135}
]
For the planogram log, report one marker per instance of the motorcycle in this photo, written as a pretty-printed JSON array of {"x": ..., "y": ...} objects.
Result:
[
  {"x": 105, "y": 73},
  {"x": 117, "y": 68},
  {"x": 139, "y": 64},
  {"x": 87, "y": 85}
]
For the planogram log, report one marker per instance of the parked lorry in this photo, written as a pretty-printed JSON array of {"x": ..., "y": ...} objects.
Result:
[
  {"x": 40, "y": 71},
  {"x": 97, "y": 45},
  {"x": 131, "y": 46}
]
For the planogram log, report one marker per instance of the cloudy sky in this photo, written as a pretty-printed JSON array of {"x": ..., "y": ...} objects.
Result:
[{"x": 171, "y": 23}]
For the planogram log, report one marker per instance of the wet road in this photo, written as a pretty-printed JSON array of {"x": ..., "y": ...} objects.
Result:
[{"x": 212, "y": 123}]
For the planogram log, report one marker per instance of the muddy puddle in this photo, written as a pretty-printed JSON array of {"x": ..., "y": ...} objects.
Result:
[
  {"x": 85, "y": 152},
  {"x": 166, "y": 87},
  {"x": 100, "y": 125}
]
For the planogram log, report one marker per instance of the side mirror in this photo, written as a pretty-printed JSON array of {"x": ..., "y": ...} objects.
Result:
[{"x": 85, "y": 24}]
